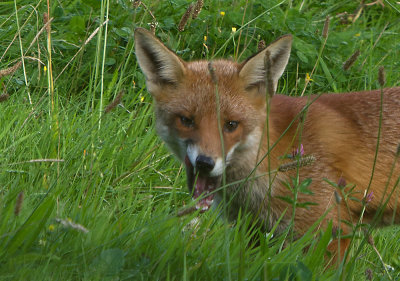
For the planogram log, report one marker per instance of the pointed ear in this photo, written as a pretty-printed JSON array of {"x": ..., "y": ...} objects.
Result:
[
  {"x": 253, "y": 69},
  {"x": 159, "y": 64}
]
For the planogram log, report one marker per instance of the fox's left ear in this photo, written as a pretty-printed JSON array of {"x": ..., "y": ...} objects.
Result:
[{"x": 253, "y": 69}]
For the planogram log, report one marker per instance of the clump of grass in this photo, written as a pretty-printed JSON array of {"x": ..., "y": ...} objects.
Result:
[{"x": 108, "y": 179}]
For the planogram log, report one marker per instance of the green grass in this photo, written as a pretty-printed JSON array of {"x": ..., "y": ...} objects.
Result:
[{"x": 114, "y": 176}]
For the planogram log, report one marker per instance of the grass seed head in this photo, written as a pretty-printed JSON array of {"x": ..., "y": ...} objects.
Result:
[
  {"x": 369, "y": 197},
  {"x": 335, "y": 231},
  {"x": 18, "y": 204},
  {"x": 197, "y": 8},
  {"x": 341, "y": 182},
  {"x": 369, "y": 274},
  {"x": 212, "y": 73},
  {"x": 370, "y": 240},
  {"x": 4, "y": 97},
  {"x": 268, "y": 74},
  {"x": 302, "y": 162},
  {"x": 325, "y": 31},
  {"x": 185, "y": 18},
  {"x": 261, "y": 45},
  {"x": 381, "y": 76},
  {"x": 45, "y": 20},
  {"x": 350, "y": 61},
  {"x": 136, "y": 3},
  {"x": 10, "y": 70},
  {"x": 115, "y": 102},
  {"x": 153, "y": 26}
]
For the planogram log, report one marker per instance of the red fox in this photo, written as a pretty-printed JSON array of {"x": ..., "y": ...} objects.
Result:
[{"x": 218, "y": 120}]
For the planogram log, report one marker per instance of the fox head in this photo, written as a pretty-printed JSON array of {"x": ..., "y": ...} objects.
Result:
[{"x": 209, "y": 113}]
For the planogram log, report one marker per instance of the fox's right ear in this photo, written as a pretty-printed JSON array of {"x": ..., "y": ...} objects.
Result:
[
  {"x": 159, "y": 64},
  {"x": 253, "y": 70}
]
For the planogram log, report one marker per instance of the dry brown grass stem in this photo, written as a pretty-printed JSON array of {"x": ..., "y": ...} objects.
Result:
[
  {"x": 81, "y": 48},
  {"x": 10, "y": 70},
  {"x": 380, "y": 2},
  {"x": 43, "y": 160},
  {"x": 148, "y": 10},
  {"x": 44, "y": 27},
  {"x": 70, "y": 224},
  {"x": 27, "y": 20},
  {"x": 357, "y": 13},
  {"x": 376, "y": 42},
  {"x": 34, "y": 59},
  {"x": 240, "y": 32},
  {"x": 34, "y": 161},
  {"x": 326, "y": 25}
]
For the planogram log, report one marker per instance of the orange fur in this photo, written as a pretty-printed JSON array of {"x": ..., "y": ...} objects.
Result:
[{"x": 339, "y": 130}]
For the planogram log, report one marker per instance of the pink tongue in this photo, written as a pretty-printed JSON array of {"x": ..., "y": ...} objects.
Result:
[
  {"x": 200, "y": 186},
  {"x": 204, "y": 185}
]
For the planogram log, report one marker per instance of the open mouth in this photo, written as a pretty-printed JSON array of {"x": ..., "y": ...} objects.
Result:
[{"x": 203, "y": 186}]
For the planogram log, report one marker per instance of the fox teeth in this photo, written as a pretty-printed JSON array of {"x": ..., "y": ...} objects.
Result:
[{"x": 202, "y": 207}]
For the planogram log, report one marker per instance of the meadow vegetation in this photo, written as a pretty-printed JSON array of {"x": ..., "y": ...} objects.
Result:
[{"x": 89, "y": 192}]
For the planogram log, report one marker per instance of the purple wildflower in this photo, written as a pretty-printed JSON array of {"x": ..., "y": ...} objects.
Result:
[
  {"x": 298, "y": 151},
  {"x": 369, "y": 197},
  {"x": 341, "y": 182}
]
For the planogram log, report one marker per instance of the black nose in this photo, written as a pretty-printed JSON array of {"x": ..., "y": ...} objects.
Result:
[{"x": 204, "y": 164}]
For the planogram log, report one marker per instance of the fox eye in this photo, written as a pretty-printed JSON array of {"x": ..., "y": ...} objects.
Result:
[
  {"x": 231, "y": 126},
  {"x": 187, "y": 122}
]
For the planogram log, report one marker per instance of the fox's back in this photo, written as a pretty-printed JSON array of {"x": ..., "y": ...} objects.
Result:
[{"x": 341, "y": 131}]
